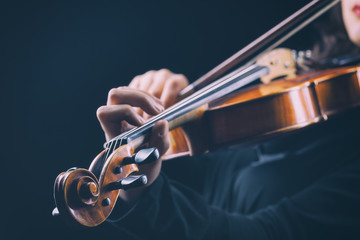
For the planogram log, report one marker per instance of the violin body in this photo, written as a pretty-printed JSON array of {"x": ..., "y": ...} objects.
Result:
[{"x": 278, "y": 107}]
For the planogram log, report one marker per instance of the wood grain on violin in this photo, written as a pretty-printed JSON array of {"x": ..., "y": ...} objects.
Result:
[{"x": 281, "y": 106}]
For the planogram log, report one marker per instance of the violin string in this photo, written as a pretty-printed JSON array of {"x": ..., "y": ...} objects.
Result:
[
  {"x": 184, "y": 102},
  {"x": 189, "y": 101},
  {"x": 174, "y": 107},
  {"x": 179, "y": 104},
  {"x": 112, "y": 147},
  {"x": 208, "y": 92},
  {"x": 108, "y": 151},
  {"x": 115, "y": 146}
]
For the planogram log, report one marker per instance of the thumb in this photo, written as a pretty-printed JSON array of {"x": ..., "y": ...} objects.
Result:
[{"x": 160, "y": 136}]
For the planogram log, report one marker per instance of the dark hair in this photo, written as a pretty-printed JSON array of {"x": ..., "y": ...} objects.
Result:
[{"x": 333, "y": 38}]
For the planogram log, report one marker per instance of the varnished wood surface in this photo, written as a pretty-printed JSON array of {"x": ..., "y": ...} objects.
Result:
[
  {"x": 281, "y": 106},
  {"x": 82, "y": 209}
]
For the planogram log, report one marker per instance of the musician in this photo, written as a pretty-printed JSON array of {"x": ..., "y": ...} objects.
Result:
[{"x": 304, "y": 185}]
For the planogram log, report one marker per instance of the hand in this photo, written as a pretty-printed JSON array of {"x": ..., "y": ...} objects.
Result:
[
  {"x": 126, "y": 107},
  {"x": 146, "y": 95}
]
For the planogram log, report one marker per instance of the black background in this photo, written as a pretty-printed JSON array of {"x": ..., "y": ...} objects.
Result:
[{"x": 60, "y": 58}]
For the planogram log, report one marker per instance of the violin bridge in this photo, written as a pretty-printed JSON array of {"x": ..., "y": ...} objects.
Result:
[{"x": 281, "y": 63}]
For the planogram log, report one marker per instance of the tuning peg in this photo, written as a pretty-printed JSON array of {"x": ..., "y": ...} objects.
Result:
[
  {"x": 129, "y": 182},
  {"x": 71, "y": 169},
  {"x": 55, "y": 212},
  {"x": 143, "y": 156}
]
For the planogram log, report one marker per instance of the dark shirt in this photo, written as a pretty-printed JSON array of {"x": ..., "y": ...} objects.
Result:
[{"x": 301, "y": 186}]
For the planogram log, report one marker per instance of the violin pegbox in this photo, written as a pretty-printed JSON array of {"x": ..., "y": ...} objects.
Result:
[
  {"x": 281, "y": 63},
  {"x": 87, "y": 197}
]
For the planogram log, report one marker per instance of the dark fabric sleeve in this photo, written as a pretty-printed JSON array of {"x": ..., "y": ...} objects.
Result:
[
  {"x": 329, "y": 209},
  {"x": 170, "y": 211},
  {"x": 209, "y": 172}
]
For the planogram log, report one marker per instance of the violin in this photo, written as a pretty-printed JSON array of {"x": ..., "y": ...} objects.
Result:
[{"x": 218, "y": 113}]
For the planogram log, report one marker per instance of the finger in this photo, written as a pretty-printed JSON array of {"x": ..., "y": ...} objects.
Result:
[
  {"x": 135, "y": 82},
  {"x": 115, "y": 119},
  {"x": 158, "y": 83},
  {"x": 172, "y": 88},
  {"x": 135, "y": 98},
  {"x": 118, "y": 113},
  {"x": 146, "y": 80},
  {"x": 160, "y": 136},
  {"x": 116, "y": 94},
  {"x": 140, "y": 111}
]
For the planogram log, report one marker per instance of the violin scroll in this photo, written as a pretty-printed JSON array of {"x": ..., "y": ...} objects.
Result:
[{"x": 84, "y": 199}]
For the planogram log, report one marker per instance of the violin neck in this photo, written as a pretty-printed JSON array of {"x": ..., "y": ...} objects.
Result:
[{"x": 192, "y": 107}]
